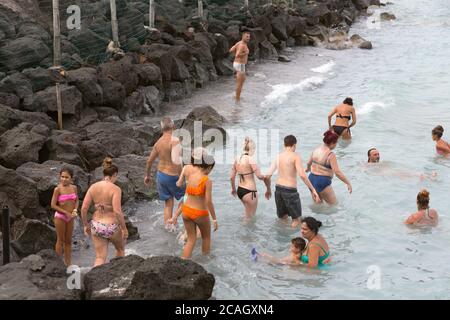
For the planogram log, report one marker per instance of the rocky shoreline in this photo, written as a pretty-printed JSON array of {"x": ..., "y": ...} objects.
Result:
[{"x": 103, "y": 99}]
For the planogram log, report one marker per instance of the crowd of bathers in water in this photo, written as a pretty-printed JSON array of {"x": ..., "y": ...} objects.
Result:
[{"x": 192, "y": 184}]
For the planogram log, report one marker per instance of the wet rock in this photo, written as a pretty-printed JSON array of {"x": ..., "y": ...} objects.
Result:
[
  {"x": 22, "y": 53},
  {"x": 268, "y": 51},
  {"x": 366, "y": 45},
  {"x": 361, "y": 4},
  {"x": 224, "y": 67},
  {"x": 133, "y": 105},
  {"x": 152, "y": 99},
  {"x": 37, "y": 277},
  {"x": 33, "y": 237},
  {"x": 46, "y": 176},
  {"x": 165, "y": 278},
  {"x": 22, "y": 144},
  {"x": 283, "y": 58},
  {"x": 387, "y": 16},
  {"x": 202, "y": 53}
]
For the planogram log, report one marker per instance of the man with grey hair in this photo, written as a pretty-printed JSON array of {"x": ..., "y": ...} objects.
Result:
[{"x": 168, "y": 150}]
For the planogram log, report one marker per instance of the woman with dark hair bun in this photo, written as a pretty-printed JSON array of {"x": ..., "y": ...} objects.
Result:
[
  {"x": 344, "y": 112},
  {"x": 317, "y": 252},
  {"x": 442, "y": 147},
  {"x": 323, "y": 165},
  {"x": 424, "y": 216}
]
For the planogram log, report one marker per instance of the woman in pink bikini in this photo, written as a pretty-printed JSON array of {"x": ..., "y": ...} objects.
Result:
[
  {"x": 65, "y": 202},
  {"x": 108, "y": 223},
  {"x": 442, "y": 147}
]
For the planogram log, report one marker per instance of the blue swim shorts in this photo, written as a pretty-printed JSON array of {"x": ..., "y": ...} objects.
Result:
[{"x": 167, "y": 187}]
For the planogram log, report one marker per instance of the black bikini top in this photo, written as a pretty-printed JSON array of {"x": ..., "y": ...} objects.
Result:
[
  {"x": 241, "y": 175},
  {"x": 344, "y": 117}
]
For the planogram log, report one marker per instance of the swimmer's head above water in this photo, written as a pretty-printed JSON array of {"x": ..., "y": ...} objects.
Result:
[
  {"x": 373, "y": 155},
  {"x": 298, "y": 245},
  {"x": 290, "y": 141},
  {"x": 437, "y": 133},
  {"x": 423, "y": 199}
]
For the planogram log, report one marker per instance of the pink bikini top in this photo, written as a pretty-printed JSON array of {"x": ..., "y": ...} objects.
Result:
[{"x": 67, "y": 197}]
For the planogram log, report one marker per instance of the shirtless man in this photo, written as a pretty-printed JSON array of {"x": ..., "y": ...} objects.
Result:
[
  {"x": 287, "y": 199},
  {"x": 168, "y": 149},
  {"x": 241, "y": 51}
]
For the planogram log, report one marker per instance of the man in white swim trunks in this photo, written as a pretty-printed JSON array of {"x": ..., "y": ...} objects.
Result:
[{"x": 241, "y": 51}]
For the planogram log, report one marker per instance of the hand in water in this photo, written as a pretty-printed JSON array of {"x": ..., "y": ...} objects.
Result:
[
  {"x": 268, "y": 194},
  {"x": 349, "y": 187},
  {"x": 173, "y": 221},
  {"x": 147, "y": 180},
  {"x": 315, "y": 196}
]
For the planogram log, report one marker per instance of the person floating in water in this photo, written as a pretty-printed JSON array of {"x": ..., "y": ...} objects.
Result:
[
  {"x": 246, "y": 168},
  {"x": 298, "y": 245},
  {"x": 344, "y": 113},
  {"x": 323, "y": 165},
  {"x": 289, "y": 165},
  {"x": 373, "y": 155},
  {"x": 424, "y": 216},
  {"x": 442, "y": 147},
  {"x": 108, "y": 223},
  {"x": 65, "y": 202},
  {"x": 241, "y": 51},
  {"x": 168, "y": 149}
]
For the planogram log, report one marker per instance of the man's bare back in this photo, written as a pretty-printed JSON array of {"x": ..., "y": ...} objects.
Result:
[
  {"x": 164, "y": 148},
  {"x": 287, "y": 172}
]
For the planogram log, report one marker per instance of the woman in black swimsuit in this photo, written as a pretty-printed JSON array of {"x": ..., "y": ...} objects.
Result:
[
  {"x": 344, "y": 113},
  {"x": 246, "y": 168}
]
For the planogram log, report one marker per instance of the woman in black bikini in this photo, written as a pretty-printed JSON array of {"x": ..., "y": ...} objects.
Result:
[
  {"x": 344, "y": 113},
  {"x": 247, "y": 168}
]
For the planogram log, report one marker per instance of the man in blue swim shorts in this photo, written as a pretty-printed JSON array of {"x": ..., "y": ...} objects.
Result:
[{"x": 168, "y": 150}]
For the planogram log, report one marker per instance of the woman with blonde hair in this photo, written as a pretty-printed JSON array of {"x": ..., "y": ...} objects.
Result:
[
  {"x": 246, "y": 168},
  {"x": 424, "y": 215},
  {"x": 108, "y": 223}
]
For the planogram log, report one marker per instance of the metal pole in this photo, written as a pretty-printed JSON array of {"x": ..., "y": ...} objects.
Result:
[
  {"x": 151, "y": 14},
  {"x": 57, "y": 57},
  {"x": 6, "y": 233},
  {"x": 200, "y": 8},
  {"x": 114, "y": 24}
]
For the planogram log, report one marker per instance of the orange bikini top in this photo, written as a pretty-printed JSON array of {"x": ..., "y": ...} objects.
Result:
[{"x": 199, "y": 190}]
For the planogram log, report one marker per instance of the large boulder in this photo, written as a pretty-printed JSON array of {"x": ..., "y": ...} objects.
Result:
[
  {"x": 153, "y": 98},
  {"x": 14, "y": 212},
  {"x": 63, "y": 146},
  {"x": 40, "y": 78},
  {"x": 279, "y": 27},
  {"x": 37, "y": 277},
  {"x": 22, "y": 144},
  {"x": 361, "y": 4},
  {"x": 46, "y": 176},
  {"x": 224, "y": 67},
  {"x": 32, "y": 236},
  {"x": 71, "y": 100},
  {"x": 85, "y": 79},
  {"x": 114, "y": 93},
  {"x": 18, "y": 84},
  {"x": 387, "y": 16},
  {"x": 22, "y": 53},
  {"x": 9, "y": 118},
  {"x": 122, "y": 71},
  {"x": 21, "y": 190},
  {"x": 267, "y": 51},
  {"x": 149, "y": 74},
  {"x": 35, "y": 31},
  {"x": 160, "y": 278}
]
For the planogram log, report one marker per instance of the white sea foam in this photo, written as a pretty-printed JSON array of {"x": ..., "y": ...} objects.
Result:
[
  {"x": 370, "y": 107},
  {"x": 325, "y": 68},
  {"x": 280, "y": 91}
]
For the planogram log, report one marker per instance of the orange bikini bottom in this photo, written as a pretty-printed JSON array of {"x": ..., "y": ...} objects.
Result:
[{"x": 192, "y": 213}]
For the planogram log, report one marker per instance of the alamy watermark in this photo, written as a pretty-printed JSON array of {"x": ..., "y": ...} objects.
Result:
[{"x": 374, "y": 280}]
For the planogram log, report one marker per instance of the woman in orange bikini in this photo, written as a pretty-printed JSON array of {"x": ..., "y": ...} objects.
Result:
[
  {"x": 198, "y": 205},
  {"x": 65, "y": 202}
]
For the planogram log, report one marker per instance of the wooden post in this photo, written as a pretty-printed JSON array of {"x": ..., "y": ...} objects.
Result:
[
  {"x": 151, "y": 14},
  {"x": 57, "y": 57},
  {"x": 292, "y": 4},
  {"x": 246, "y": 3},
  {"x": 114, "y": 24},
  {"x": 200, "y": 9}
]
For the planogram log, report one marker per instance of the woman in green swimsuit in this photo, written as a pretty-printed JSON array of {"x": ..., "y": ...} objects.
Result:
[{"x": 317, "y": 252}]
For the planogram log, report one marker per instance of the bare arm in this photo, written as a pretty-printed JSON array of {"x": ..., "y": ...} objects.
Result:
[
  {"x": 152, "y": 157},
  {"x": 338, "y": 172},
  {"x": 117, "y": 208},
  {"x": 180, "y": 181},
  {"x": 77, "y": 202},
  {"x": 85, "y": 207},
  {"x": 444, "y": 147},
  {"x": 302, "y": 175},
  {"x": 273, "y": 167},
  {"x": 209, "y": 204},
  {"x": 233, "y": 48},
  {"x": 330, "y": 115},
  {"x": 54, "y": 203},
  {"x": 233, "y": 174},
  {"x": 353, "y": 118},
  {"x": 309, "y": 164},
  {"x": 416, "y": 217},
  {"x": 313, "y": 256}
]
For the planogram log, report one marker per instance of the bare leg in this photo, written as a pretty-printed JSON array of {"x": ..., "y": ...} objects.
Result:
[
  {"x": 168, "y": 209},
  {"x": 68, "y": 243},
  {"x": 250, "y": 205},
  {"x": 240, "y": 78},
  {"x": 101, "y": 250},
  {"x": 328, "y": 196},
  {"x": 296, "y": 222},
  {"x": 191, "y": 231},
  {"x": 204, "y": 225},
  {"x": 60, "y": 226},
  {"x": 119, "y": 243},
  {"x": 346, "y": 135}
]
